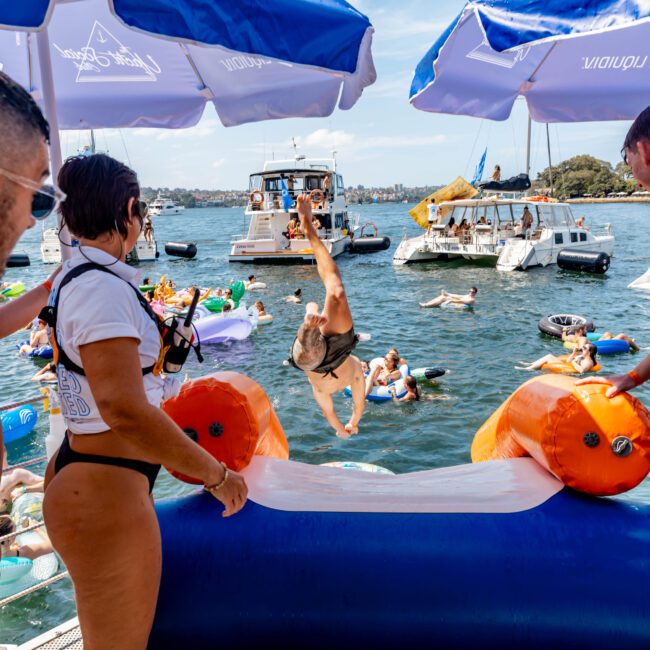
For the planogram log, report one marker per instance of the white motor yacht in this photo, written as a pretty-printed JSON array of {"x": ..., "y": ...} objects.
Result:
[
  {"x": 143, "y": 251},
  {"x": 493, "y": 234},
  {"x": 50, "y": 246},
  {"x": 267, "y": 239},
  {"x": 162, "y": 206}
]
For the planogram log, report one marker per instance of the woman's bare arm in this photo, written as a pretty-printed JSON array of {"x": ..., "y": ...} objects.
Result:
[{"x": 115, "y": 378}]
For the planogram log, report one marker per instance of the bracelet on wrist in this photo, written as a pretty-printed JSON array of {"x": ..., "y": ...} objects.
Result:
[
  {"x": 634, "y": 376},
  {"x": 47, "y": 285},
  {"x": 221, "y": 483}
]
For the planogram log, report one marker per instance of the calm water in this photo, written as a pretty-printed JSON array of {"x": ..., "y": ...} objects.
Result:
[{"x": 479, "y": 347}]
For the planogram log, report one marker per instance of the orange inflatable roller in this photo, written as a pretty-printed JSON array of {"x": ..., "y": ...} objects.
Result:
[
  {"x": 591, "y": 443},
  {"x": 231, "y": 417}
]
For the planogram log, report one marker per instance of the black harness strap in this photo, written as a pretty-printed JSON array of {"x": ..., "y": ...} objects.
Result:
[{"x": 50, "y": 314}]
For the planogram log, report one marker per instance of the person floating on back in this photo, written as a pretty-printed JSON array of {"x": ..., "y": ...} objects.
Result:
[
  {"x": 325, "y": 340},
  {"x": 446, "y": 298}
]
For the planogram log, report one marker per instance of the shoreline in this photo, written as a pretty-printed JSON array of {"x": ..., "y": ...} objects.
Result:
[{"x": 617, "y": 199}]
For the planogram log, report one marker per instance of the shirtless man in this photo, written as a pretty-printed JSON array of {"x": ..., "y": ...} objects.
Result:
[
  {"x": 446, "y": 298},
  {"x": 325, "y": 340}
]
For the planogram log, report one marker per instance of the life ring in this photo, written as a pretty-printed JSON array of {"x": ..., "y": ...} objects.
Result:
[
  {"x": 538, "y": 199},
  {"x": 14, "y": 568},
  {"x": 369, "y": 223},
  {"x": 256, "y": 198},
  {"x": 265, "y": 320},
  {"x": 566, "y": 368},
  {"x": 317, "y": 196},
  {"x": 42, "y": 352},
  {"x": 253, "y": 286},
  {"x": 553, "y": 324}
]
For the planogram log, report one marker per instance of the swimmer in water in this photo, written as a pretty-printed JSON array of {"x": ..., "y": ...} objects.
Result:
[
  {"x": 412, "y": 390},
  {"x": 296, "y": 297},
  {"x": 446, "y": 298}
]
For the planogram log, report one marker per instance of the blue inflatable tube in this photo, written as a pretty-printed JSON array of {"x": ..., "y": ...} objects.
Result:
[
  {"x": 352, "y": 559},
  {"x": 18, "y": 422},
  {"x": 612, "y": 346},
  {"x": 44, "y": 352}
]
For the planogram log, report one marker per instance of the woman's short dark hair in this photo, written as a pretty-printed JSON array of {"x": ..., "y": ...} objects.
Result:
[
  {"x": 297, "y": 292},
  {"x": 640, "y": 130},
  {"x": 98, "y": 190}
]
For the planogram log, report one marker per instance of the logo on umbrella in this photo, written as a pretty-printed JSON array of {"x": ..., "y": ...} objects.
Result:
[
  {"x": 105, "y": 59},
  {"x": 483, "y": 52}
]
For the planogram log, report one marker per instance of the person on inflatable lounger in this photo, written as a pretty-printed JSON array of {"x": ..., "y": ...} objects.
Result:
[
  {"x": 446, "y": 298},
  {"x": 325, "y": 340},
  {"x": 37, "y": 339},
  {"x": 636, "y": 154},
  {"x": 384, "y": 374},
  {"x": 579, "y": 336},
  {"x": 583, "y": 359}
]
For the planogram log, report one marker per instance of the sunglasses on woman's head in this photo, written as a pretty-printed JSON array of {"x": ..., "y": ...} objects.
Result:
[{"x": 46, "y": 197}]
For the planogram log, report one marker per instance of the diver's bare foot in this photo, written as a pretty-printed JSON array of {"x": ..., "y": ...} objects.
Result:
[
  {"x": 312, "y": 321},
  {"x": 352, "y": 429}
]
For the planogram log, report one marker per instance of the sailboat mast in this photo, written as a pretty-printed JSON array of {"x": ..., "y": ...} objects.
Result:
[
  {"x": 548, "y": 146},
  {"x": 92, "y": 141},
  {"x": 528, "y": 147}
]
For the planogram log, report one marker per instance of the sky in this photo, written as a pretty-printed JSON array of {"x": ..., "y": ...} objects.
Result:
[{"x": 380, "y": 142}]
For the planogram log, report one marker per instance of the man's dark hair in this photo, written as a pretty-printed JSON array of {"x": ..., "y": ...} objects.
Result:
[
  {"x": 18, "y": 106},
  {"x": 250, "y": 277},
  {"x": 98, "y": 190},
  {"x": 474, "y": 289},
  {"x": 297, "y": 292},
  {"x": 640, "y": 130}
]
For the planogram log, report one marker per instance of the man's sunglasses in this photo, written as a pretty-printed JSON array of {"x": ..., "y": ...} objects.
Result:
[{"x": 46, "y": 197}]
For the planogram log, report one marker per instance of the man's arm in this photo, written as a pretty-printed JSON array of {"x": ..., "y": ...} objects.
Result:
[
  {"x": 622, "y": 383},
  {"x": 327, "y": 406}
]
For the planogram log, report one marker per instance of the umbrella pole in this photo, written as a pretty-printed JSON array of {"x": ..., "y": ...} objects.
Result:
[{"x": 49, "y": 103}]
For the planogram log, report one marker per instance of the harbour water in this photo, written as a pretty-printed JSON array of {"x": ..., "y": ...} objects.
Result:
[{"x": 479, "y": 347}]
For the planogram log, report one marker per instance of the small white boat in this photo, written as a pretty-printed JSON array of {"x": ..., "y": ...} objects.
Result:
[
  {"x": 143, "y": 251},
  {"x": 162, "y": 206},
  {"x": 50, "y": 246},
  {"x": 266, "y": 240},
  {"x": 493, "y": 234}
]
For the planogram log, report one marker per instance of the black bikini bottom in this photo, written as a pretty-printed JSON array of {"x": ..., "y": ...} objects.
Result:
[{"x": 68, "y": 455}]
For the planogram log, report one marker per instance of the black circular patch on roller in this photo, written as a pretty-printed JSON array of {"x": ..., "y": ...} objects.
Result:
[
  {"x": 192, "y": 434},
  {"x": 215, "y": 429},
  {"x": 591, "y": 439}
]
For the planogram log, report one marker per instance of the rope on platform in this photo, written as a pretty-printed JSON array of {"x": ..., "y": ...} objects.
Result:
[
  {"x": 13, "y": 405},
  {"x": 27, "y": 463},
  {"x": 32, "y": 589},
  {"x": 20, "y": 531}
]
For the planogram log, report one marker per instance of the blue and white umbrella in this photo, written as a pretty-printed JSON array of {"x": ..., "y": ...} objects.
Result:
[
  {"x": 157, "y": 63},
  {"x": 572, "y": 60}
]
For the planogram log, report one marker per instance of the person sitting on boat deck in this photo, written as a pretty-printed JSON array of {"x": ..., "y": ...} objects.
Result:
[
  {"x": 446, "y": 298},
  {"x": 525, "y": 223},
  {"x": 47, "y": 374},
  {"x": 325, "y": 341},
  {"x": 98, "y": 505},
  {"x": 579, "y": 335},
  {"x": 38, "y": 545},
  {"x": 636, "y": 154},
  {"x": 463, "y": 229},
  {"x": 412, "y": 390},
  {"x": 452, "y": 227},
  {"x": 496, "y": 174},
  {"x": 291, "y": 184},
  {"x": 383, "y": 374},
  {"x": 580, "y": 222},
  {"x": 24, "y": 136},
  {"x": 583, "y": 359},
  {"x": 37, "y": 339},
  {"x": 295, "y": 297},
  {"x": 482, "y": 221}
]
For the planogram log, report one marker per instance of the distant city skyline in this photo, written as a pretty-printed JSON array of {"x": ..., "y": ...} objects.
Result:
[{"x": 381, "y": 141}]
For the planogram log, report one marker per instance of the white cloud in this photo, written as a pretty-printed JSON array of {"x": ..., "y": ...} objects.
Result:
[
  {"x": 325, "y": 139},
  {"x": 203, "y": 129},
  {"x": 218, "y": 163}
]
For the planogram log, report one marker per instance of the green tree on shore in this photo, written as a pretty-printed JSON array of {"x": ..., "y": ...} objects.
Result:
[{"x": 585, "y": 174}]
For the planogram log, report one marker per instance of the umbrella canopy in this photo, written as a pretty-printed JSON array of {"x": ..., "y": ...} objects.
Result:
[
  {"x": 573, "y": 61},
  {"x": 156, "y": 63}
]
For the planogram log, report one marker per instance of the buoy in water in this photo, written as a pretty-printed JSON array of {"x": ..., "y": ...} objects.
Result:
[
  {"x": 585, "y": 261},
  {"x": 365, "y": 245},
  {"x": 18, "y": 259},
  {"x": 181, "y": 249}
]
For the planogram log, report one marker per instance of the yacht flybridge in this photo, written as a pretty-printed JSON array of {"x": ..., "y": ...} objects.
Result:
[
  {"x": 490, "y": 230},
  {"x": 269, "y": 238}
]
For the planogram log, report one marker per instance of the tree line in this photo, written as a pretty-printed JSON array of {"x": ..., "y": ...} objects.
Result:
[{"x": 582, "y": 175}]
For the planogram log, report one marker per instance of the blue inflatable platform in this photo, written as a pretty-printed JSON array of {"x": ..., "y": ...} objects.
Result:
[{"x": 493, "y": 555}]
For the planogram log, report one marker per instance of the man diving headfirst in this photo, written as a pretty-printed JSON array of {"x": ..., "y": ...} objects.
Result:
[{"x": 324, "y": 343}]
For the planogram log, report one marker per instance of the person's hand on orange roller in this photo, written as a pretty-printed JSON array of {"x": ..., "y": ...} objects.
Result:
[{"x": 229, "y": 488}]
